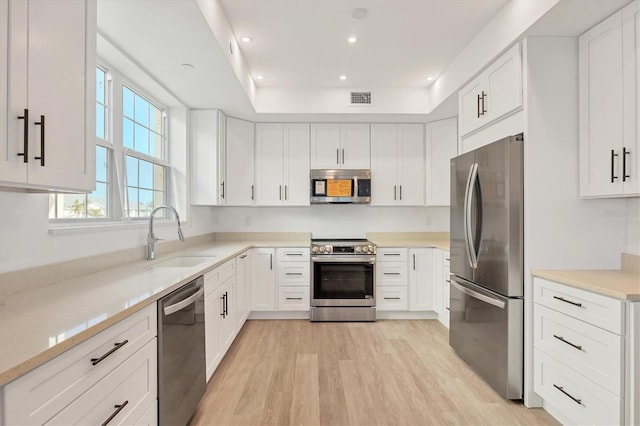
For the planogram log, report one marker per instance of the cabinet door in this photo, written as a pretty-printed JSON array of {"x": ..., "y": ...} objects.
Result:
[
  {"x": 296, "y": 165},
  {"x": 504, "y": 85},
  {"x": 446, "y": 298},
  {"x": 12, "y": 167},
  {"x": 269, "y": 164},
  {"x": 228, "y": 326},
  {"x": 442, "y": 146},
  {"x": 411, "y": 159},
  {"x": 422, "y": 279},
  {"x": 356, "y": 146},
  {"x": 601, "y": 109},
  {"x": 240, "y": 155},
  {"x": 438, "y": 296},
  {"x": 205, "y": 146},
  {"x": 325, "y": 146},
  {"x": 384, "y": 170},
  {"x": 631, "y": 83},
  {"x": 212, "y": 311},
  {"x": 263, "y": 279},
  {"x": 61, "y": 87},
  {"x": 241, "y": 296},
  {"x": 469, "y": 105}
]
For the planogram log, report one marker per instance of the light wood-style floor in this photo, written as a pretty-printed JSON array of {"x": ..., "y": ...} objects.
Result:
[{"x": 383, "y": 373}]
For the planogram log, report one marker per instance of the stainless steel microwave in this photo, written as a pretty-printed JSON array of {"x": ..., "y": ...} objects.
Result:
[{"x": 340, "y": 186}]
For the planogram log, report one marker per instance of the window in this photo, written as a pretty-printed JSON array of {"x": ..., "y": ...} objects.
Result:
[
  {"x": 132, "y": 170},
  {"x": 143, "y": 140}
]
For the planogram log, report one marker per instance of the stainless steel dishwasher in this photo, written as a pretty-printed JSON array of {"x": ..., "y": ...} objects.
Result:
[{"x": 181, "y": 357}]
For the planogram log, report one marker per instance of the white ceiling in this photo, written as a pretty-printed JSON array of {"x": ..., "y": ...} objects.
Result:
[{"x": 303, "y": 43}]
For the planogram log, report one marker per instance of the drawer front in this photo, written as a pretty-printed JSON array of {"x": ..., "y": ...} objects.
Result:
[
  {"x": 133, "y": 386},
  {"x": 37, "y": 396},
  {"x": 391, "y": 273},
  {"x": 604, "y": 312},
  {"x": 293, "y": 254},
  {"x": 591, "y": 404},
  {"x": 293, "y": 298},
  {"x": 589, "y": 350},
  {"x": 214, "y": 279},
  {"x": 392, "y": 298},
  {"x": 391, "y": 255},
  {"x": 294, "y": 274}
]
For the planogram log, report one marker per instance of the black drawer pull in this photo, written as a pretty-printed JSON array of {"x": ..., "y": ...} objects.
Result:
[
  {"x": 576, "y": 400},
  {"x": 293, "y": 298},
  {"x": 96, "y": 361},
  {"x": 293, "y": 273},
  {"x": 562, "y": 339},
  {"x": 391, "y": 298},
  {"x": 293, "y": 254},
  {"x": 391, "y": 273},
  {"x": 391, "y": 254},
  {"x": 115, "y": 413},
  {"x": 562, "y": 299}
]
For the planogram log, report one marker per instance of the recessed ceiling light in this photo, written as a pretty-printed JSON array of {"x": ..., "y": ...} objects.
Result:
[
  {"x": 430, "y": 78},
  {"x": 246, "y": 39},
  {"x": 352, "y": 39},
  {"x": 343, "y": 77},
  {"x": 260, "y": 77}
]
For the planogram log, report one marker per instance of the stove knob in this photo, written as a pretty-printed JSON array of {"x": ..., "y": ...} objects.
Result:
[
  {"x": 372, "y": 249},
  {"x": 358, "y": 249},
  {"x": 364, "y": 249},
  {"x": 322, "y": 249},
  {"x": 314, "y": 249},
  {"x": 328, "y": 249}
]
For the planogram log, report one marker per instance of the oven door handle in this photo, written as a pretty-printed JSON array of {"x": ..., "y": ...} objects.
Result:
[{"x": 344, "y": 259}]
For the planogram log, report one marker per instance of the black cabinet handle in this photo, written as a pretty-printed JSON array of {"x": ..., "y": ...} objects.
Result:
[
  {"x": 400, "y": 192},
  {"x": 478, "y": 106},
  {"x": 293, "y": 298},
  {"x": 391, "y": 298},
  {"x": 96, "y": 361},
  {"x": 271, "y": 262},
  {"x": 342, "y": 155},
  {"x": 41, "y": 124},
  {"x": 613, "y": 156},
  {"x": 25, "y": 140},
  {"x": 395, "y": 192},
  {"x": 414, "y": 262},
  {"x": 337, "y": 156},
  {"x": 280, "y": 192},
  {"x": 115, "y": 413},
  {"x": 562, "y": 299},
  {"x": 563, "y": 340},
  {"x": 286, "y": 196},
  {"x": 484, "y": 107},
  {"x": 561, "y": 389},
  {"x": 222, "y": 185},
  {"x": 293, "y": 273},
  {"x": 222, "y": 314},
  {"x": 252, "y": 189},
  {"x": 391, "y": 273},
  {"x": 625, "y": 176}
]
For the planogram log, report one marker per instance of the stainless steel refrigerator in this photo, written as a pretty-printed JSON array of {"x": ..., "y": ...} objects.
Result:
[{"x": 487, "y": 278}]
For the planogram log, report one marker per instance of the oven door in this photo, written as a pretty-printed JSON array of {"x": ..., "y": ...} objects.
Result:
[{"x": 343, "y": 280}]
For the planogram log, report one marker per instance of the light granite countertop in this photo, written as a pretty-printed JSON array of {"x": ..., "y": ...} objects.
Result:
[
  {"x": 621, "y": 284},
  {"x": 438, "y": 240},
  {"x": 41, "y": 323}
]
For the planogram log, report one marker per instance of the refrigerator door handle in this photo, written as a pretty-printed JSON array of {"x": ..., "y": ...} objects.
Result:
[
  {"x": 466, "y": 220},
  {"x": 484, "y": 298},
  {"x": 471, "y": 244}
]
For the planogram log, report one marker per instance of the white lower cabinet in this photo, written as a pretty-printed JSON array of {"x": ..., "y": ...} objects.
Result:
[
  {"x": 422, "y": 279},
  {"x": 293, "y": 298},
  {"x": 392, "y": 282},
  {"x": 243, "y": 288},
  {"x": 294, "y": 279},
  {"x": 392, "y": 298},
  {"x": 85, "y": 384},
  {"x": 442, "y": 283},
  {"x": 579, "y": 354},
  {"x": 263, "y": 279}
]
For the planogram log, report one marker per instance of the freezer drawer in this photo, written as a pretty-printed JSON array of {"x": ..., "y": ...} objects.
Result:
[{"x": 486, "y": 330}]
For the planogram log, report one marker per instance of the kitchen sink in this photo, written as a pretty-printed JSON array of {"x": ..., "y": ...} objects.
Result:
[{"x": 183, "y": 261}]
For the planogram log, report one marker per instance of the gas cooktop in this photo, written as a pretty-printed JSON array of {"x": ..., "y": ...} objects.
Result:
[{"x": 342, "y": 246}]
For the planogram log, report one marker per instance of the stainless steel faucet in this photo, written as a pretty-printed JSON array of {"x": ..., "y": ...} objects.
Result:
[{"x": 151, "y": 239}]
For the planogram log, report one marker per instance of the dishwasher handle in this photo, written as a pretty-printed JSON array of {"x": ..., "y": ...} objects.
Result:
[{"x": 168, "y": 310}]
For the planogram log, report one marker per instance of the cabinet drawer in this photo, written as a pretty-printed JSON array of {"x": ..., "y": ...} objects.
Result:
[
  {"x": 558, "y": 384},
  {"x": 301, "y": 254},
  {"x": 37, "y": 396},
  {"x": 604, "y": 312},
  {"x": 293, "y": 298},
  {"x": 595, "y": 353},
  {"x": 133, "y": 385},
  {"x": 445, "y": 258},
  {"x": 293, "y": 274},
  {"x": 213, "y": 279},
  {"x": 391, "y": 273},
  {"x": 391, "y": 254},
  {"x": 392, "y": 298}
]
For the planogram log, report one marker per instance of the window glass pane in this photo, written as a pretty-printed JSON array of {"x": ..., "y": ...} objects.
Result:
[
  {"x": 158, "y": 177},
  {"x": 132, "y": 171},
  {"x": 127, "y": 133},
  {"x": 101, "y": 164},
  {"x": 146, "y": 174},
  {"x": 100, "y": 121},
  {"x": 132, "y": 200},
  {"x": 146, "y": 202},
  {"x": 141, "y": 111},
  {"x": 155, "y": 145},
  {"x": 100, "y": 87},
  {"x": 74, "y": 205},
  {"x": 158, "y": 198},
  {"x": 155, "y": 119},
  {"x": 97, "y": 202},
  {"x": 127, "y": 102},
  {"x": 141, "y": 139}
]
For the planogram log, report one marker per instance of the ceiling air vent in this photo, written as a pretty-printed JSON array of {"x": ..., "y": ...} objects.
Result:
[{"x": 360, "y": 99}]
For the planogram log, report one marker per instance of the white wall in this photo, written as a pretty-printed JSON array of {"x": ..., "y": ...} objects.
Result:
[
  {"x": 331, "y": 220},
  {"x": 632, "y": 214}
]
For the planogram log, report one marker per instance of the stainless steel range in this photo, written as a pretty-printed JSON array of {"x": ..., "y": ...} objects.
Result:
[{"x": 343, "y": 280}]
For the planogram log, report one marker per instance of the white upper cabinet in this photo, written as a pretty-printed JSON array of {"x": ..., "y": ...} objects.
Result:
[
  {"x": 238, "y": 186},
  {"x": 609, "y": 92},
  {"x": 442, "y": 146},
  {"x": 496, "y": 92},
  {"x": 397, "y": 164},
  {"x": 282, "y": 164},
  {"x": 340, "y": 146},
  {"x": 48, "y": 110},
  {"x": 207, "y": 156}
]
